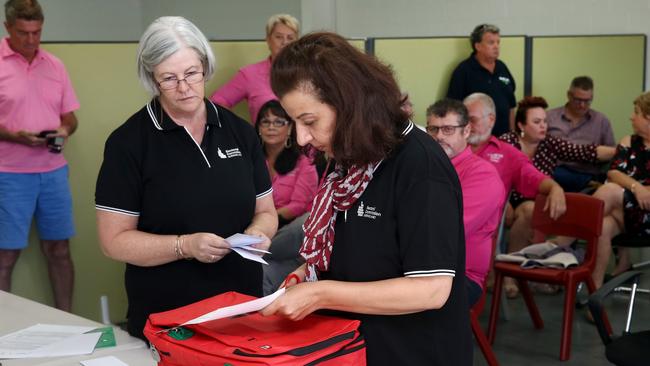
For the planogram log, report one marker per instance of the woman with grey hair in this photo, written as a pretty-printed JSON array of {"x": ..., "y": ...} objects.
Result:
[
  {"x": 178, "y": 177},
  {"x": 252, "y": 81}
]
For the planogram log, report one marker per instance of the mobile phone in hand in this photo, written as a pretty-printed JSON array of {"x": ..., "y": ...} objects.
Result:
[{"x": 43, "y": 134}]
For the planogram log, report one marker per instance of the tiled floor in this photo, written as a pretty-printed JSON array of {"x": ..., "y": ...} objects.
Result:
[{"x": 519, "y": 343}]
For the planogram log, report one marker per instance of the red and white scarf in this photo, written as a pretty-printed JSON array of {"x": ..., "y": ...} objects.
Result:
[{"x": 337, "y": 193}]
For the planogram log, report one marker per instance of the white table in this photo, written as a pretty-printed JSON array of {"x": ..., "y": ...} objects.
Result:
[{"x": 18, "y": 313}]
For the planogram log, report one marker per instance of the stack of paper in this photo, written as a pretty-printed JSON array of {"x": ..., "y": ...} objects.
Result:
[
  {"x": 242, "y": 244},
  {"x": 48, "y": 340}
]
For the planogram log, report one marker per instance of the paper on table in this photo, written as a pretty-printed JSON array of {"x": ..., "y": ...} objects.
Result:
[
  {"x": 104, "y": 361},
  {"x": 29, "y": 342},
  {"x": 248, "y": 255},
  {"x": 81, "y": 344},
  {"x": 243, "y": 308}
]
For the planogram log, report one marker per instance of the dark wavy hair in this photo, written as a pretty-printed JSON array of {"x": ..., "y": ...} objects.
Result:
[
  {"x": 524, "y": 105},
  {"x": 361, "y": 90},
  {"x": 288, "y": 157}
]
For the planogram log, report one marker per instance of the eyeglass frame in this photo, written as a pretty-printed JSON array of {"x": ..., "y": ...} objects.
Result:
[
  {"x": 450, "y": 128},
  {"x": 264, "y": 122},
  {"x": 580, "y": 100},
  {"x": 178, "y": 81}
]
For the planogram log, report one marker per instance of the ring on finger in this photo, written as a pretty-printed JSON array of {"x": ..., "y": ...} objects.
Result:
[{"x": 213, "y": 258}]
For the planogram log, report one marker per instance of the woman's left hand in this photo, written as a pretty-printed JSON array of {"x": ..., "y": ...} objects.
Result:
[
  {"x": 266, "y": 242},
  {"x": 642, "y": 195},
  {"x": 296, "y": 303}
]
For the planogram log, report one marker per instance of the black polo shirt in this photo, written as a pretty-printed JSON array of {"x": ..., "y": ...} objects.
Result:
[
  {"x": 155, "y": 170},
  {"x": 408, "y": 222},
  {"x": 470, "y": 77}
]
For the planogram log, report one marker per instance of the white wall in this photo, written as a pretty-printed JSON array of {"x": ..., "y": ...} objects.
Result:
[
  {"x": 90, "y": 20},
  {"x": 409, "y": 18},
  {"x": 222, "y": 19}
]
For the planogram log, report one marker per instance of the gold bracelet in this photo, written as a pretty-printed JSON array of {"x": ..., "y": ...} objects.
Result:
[
  {"x": 177, "y": 248},
  {"x": 632, "y": 187},
  {"x": 180, "y": 247}
]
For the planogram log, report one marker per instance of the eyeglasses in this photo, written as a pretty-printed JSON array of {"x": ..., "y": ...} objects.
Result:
[
  {"x": 172, "y": 82},
  {"x": 580, "y": 100},
  {"x": 278, "y": 122},
  {"x": 446, "y": 130}
]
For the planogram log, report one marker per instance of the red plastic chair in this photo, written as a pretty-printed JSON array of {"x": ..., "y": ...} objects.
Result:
[
  {"x": 583, "y": 219},
  {"x": 474, "y": 314}
]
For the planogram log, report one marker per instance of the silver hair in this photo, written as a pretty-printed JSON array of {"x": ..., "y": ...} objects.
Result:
[
  {"x": 486, "y": 102},
  {"x": 163, "y": 38},
  {"x": 479, "y": 31}
]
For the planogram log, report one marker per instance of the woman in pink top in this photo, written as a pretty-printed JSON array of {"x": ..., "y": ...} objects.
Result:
[
  {"x": 252, "y": 81},
  {"x": 294, "y": 180},
  {"x": 293, "y": 174}
]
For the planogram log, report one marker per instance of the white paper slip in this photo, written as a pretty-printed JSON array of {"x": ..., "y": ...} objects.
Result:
[
  {"x": 234, "y": 310},
  {"x": 104, "y": 361},
  {"x": 253, "y": 249},
  {"x": 42, "y": 340},
  {"x": 248, "y": 255},
  {"x": 241, "y": 240}
]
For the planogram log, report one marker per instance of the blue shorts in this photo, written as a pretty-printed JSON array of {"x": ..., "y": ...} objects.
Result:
[{"x": 44, "y": 196}]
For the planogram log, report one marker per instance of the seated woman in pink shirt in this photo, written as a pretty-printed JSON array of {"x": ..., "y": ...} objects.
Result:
[
  {"x": 252, "y": 82},
  {"x": 294, "y": 180}
]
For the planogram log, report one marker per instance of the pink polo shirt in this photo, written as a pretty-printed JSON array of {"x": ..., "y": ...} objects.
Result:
[
  {"x": 514, "y": 167},
  {"x": 483, "y": 199},
  {"x": 32, "y": 98},
  {"x": 252, "y": 83},
  {"x": 296, "y": 189}
]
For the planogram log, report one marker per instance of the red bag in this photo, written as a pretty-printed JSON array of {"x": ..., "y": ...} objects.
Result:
[{"x": 252, "y": 339}]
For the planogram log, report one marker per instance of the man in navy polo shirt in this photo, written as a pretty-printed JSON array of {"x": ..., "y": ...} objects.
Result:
[{"x": 483, "y": 72}]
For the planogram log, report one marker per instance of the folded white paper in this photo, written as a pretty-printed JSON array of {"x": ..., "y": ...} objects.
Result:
[
  {"x": 242, "y": 245},
  {"x": 248, "y": 255},
  {"x": 234, "y": 310}
]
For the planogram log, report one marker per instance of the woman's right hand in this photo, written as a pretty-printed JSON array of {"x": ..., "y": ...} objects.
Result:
[
  {"x": 205, "y": 247},
  {"x": 642, "y": 194}
]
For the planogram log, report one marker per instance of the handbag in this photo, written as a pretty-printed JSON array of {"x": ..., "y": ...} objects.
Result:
[{"x": 252, "y": 339}]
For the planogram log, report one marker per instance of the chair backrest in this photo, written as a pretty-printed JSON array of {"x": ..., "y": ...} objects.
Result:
[
  {"x": 497, "y": 238},
  {"x": 583, "y": 219}
]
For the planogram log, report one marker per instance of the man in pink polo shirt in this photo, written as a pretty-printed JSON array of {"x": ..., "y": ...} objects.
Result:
[
  {"x": 37, "y": 106},
  {"x": 516, "y": 172},
  {"x": 483, "y": 191}
]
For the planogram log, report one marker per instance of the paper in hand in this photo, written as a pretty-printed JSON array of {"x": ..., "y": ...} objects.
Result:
[
  {"x": 242, "y": 244},
  {"x": 234, "y": 310}
]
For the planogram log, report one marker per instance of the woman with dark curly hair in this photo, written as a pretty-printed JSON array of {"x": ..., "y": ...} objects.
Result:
[{"x": 384, "y": 239}]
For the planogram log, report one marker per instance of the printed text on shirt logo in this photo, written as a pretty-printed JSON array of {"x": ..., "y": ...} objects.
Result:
[
  {"x": 369, "y": 212},
  {"x": 230, "y": 153}
]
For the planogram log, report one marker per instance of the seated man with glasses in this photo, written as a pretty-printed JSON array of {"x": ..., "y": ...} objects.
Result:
[
  {"x": 578, "y": 123},
  {"x": 483, "y": 192}
]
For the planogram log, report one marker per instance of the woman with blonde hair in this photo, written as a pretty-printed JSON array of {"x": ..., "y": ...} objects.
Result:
[{"x": 252, "y": 82}]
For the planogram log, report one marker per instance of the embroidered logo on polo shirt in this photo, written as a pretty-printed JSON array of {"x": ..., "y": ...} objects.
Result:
[
  {"x": 504, "y": 80},
  {"x": 495, "y": 157},
  {"x": 369, "y": 212},
  {"x": 230, "y": 153}
]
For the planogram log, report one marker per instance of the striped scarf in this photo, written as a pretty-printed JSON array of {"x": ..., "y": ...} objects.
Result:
[{"x": 337, "y": 193}]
